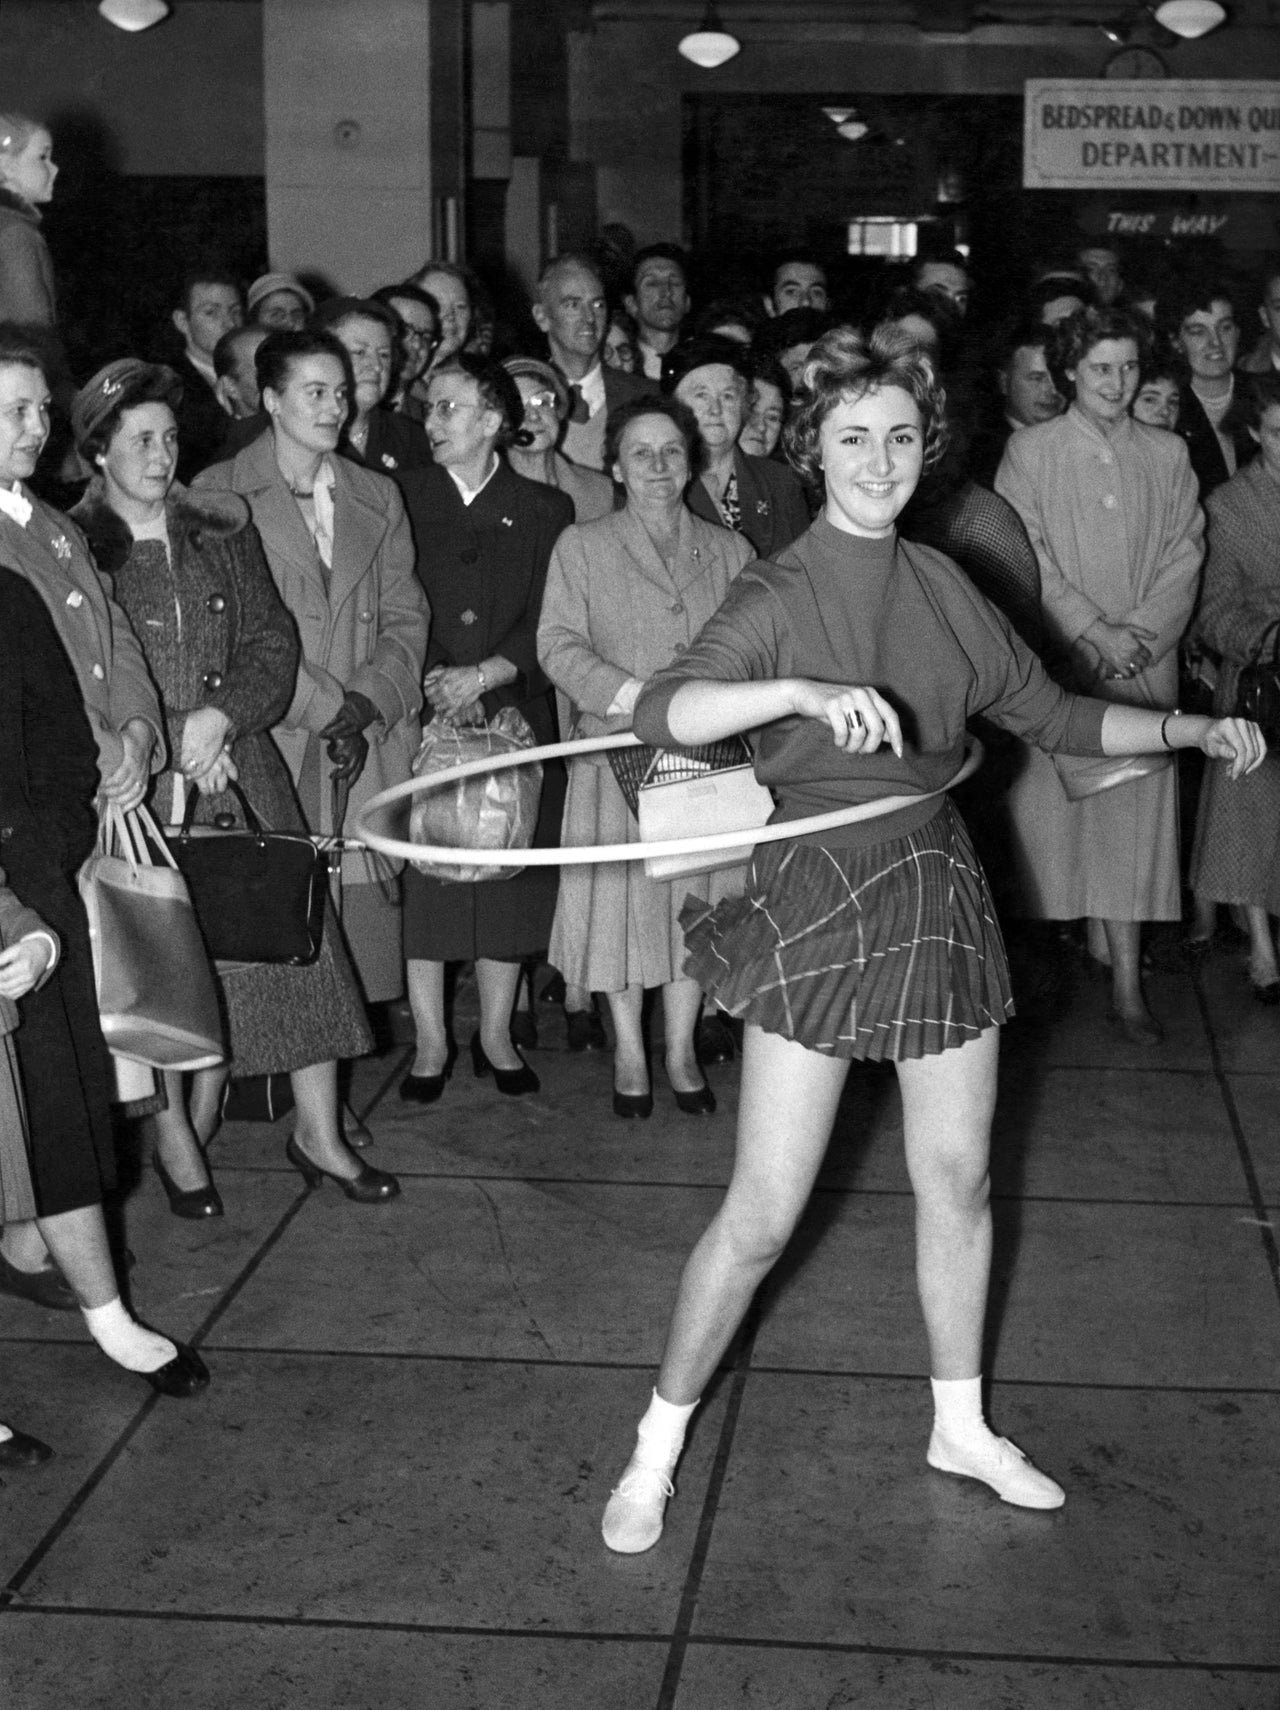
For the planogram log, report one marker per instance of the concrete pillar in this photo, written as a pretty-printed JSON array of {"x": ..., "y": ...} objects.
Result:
[{"x": 364, "y": 100}]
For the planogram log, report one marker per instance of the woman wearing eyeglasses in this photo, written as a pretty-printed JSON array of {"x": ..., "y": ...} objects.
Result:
[
  {"x": 484, "y": 537},
  {"x": 533, "y": 452},
  {"x": 418, "y": 325}
]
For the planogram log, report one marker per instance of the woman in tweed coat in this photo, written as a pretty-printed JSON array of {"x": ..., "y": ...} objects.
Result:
[
  {"x": 1237, "y": 850},
  {"x": 223, "y": 650}
]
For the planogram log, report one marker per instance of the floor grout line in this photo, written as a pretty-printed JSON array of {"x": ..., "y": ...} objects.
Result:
[
  {"x": 112, "y": 1454},
  {"x": 739, "y": 1373},
  {"x": 710, "y": 1641},
  {"x": 1266, "y": 1232}
]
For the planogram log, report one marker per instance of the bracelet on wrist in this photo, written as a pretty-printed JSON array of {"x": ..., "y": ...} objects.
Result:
[
  {"x": 1164, "y": 726},
  {"x": 484, "y": 681}
]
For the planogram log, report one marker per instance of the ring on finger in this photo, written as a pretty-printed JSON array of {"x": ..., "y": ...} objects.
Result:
[{"x": 853, "y": 720}]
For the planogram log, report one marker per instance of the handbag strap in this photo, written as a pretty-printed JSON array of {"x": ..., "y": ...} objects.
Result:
[
  {"x": 135, "y": 834},
  {"x": 1272, "y": 630},
  {"x": 251, "y": 819}
]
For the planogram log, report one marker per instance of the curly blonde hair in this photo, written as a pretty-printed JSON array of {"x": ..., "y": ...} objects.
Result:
[{"x": 846, "y": 364}]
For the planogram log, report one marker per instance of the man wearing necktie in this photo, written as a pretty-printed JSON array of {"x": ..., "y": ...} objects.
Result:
[{"x": 572, "y": 312}]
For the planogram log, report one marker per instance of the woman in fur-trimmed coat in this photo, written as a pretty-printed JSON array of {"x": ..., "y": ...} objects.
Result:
[{"x": 216, "y": 635}]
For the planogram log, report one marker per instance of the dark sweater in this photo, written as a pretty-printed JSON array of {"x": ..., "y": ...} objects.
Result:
[{"x": 841, "y": 608}]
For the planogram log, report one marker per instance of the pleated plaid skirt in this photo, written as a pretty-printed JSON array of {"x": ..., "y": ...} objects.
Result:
[{"x": 882, "y": 953}]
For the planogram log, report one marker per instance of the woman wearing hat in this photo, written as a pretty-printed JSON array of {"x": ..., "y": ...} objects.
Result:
[
  {"x": 223, "y": 651},
  {"x": 484, "y": 539},
  {"x": 279, "y": 302},
  {"x": 753, "y": 496},
  {"x": 78, "y": 721},
  {"x": 533, "y": 452}
]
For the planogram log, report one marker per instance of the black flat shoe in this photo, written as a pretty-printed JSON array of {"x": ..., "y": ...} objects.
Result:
[
  {"x": 185, "y": 1374},
  {"x": 426, "y": 1089},
  {"x": 23, "y": 1451},
  {"x": 192, "y": 1203},
  {"x": 628, "y": 1104},
  {"x": 584, "y": 1030},
  {"x": 370, "y": 1187},
  {"x": 47, "y": 1287},
  {"x": 513, "y": 1082},
  {"x": 699, "y": 1103}
]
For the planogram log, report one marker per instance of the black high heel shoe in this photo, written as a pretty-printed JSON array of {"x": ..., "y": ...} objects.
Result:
[
  {"x": 513, "y": 1082},
  {"x": 426, "y": 1089},
  {"x": 370, "y": 1187},
  {"x": 185, "y": 1374},
  {"x": 629, "y": 1104},
  {"x": 702, "y": 1102},
  {"x": 19, "y": 1450},
  {"x": 192, "y": 1203}
]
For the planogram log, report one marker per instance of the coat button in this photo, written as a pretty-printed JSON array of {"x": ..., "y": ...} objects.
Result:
[
  {"x": 470, "y": 556},
  {"x": 6, "y": 832},
  {"x": 213, "y": 679},
  {"x": 216, "y": 603},
  {"x": 678, "y": 606},
  {"x": 366, "y": 617},
  {"x": 99, "y": 673}
]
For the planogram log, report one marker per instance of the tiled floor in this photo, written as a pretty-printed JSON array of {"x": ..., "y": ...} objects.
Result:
[{"x": 390, "y": 1496}]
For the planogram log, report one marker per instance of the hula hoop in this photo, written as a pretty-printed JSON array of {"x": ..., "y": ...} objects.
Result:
[{"x": 577, "y": 855}]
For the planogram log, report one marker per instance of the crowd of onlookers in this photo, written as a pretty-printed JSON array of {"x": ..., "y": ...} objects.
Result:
[{"x": 270, "y": 548}]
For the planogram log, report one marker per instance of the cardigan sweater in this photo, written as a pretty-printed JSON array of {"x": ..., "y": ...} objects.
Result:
[{"x": 846, "y": 609}]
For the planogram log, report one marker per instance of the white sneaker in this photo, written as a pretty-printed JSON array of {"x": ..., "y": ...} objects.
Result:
[
  {"x": 999, "y": 1463},
  {"x": 633, "y": 1516}
]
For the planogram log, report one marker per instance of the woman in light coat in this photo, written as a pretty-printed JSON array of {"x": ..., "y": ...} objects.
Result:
[
  {"x": 341, "y": 553},
  {"x": 1110, "y": 508},
  {"x": 623, "y": 594}
]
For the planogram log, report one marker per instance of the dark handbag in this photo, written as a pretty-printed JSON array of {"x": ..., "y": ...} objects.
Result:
[
  {"x": 1258, "y": 686},
  {"x": 259, "y": 895}
]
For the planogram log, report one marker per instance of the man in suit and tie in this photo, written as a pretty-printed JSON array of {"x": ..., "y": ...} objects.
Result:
[{"x": 572, "y": 312}]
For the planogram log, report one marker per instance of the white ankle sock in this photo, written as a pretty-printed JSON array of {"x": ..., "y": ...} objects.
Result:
[
  {"x": 660, "y": 1436},
  {"x": 125, "y": 1341},
  {"x": 957, "y": 1408}
]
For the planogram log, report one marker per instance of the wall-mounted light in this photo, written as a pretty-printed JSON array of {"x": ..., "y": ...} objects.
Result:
[
  {"x": 1190, "y": 18},
  {"x": 710, "y": 44},
  {"x": 134, "y": 14},
  {"x": 847, "y": 123}
]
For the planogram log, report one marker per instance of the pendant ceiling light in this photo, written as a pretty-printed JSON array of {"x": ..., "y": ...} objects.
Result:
[
  {"x": 710, "y": 44},
  {"x": 134, "y": 14},
  {"x": 1190, "y": 18}
]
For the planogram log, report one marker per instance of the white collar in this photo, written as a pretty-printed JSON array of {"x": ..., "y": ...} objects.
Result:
[
  {"x": 470, "y": 494},
  {"x": 15, "y": 503}
]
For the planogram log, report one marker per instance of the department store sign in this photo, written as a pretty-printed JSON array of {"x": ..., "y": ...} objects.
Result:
[{"x": 1093, "y": 134}]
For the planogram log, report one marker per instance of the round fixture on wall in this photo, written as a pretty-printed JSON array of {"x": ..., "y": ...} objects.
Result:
[
  {"x": 134, "y": 14},
  {"x": 710, "y": 44},
  {"x": 1190, "y": 18}
]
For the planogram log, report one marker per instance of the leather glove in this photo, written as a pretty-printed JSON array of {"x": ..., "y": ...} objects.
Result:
[
  {"x": 356, "y": 714},
  {"x": 348, "y": 755}
]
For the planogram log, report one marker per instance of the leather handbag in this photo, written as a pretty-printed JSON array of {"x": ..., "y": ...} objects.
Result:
[
  {"x": 1258, "y": 686},
  {"x": 157, "y": 1003},
  {"x": 259, "y": 895},
  {"x": 697, "y": 792}
]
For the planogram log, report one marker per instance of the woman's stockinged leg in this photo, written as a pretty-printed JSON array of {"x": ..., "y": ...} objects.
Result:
[
  {"x": 947, "y": 1105},
  {"x": 787, "y": 1104},
  {"x": 630, "y": 1071}
]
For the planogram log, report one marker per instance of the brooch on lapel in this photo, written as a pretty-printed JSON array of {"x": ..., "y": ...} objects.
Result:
[
  {"x": 388, "y": 461},
  {"x": 75, "y": 598},
  {"x": 468, "y": 616},
  {"x": 697, "y": 553},
  {"x": 62, "y": 548},
  {"x": 508, "y": 522},
  {"x": 762, "y": 507}
]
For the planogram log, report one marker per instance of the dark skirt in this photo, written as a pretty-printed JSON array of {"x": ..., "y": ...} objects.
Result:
[
  {"x": 500, "y": 920},
  {"x": 66, "y": 1074},
  {"x": 881, "y": 953}
]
